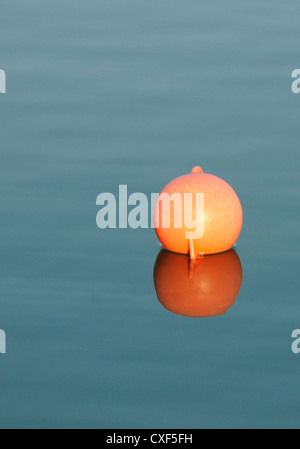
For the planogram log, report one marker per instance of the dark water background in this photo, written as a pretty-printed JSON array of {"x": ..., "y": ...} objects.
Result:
[{"x": 102, "y": 93}]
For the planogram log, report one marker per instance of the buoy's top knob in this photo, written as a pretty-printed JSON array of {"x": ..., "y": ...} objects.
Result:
[{"x": 197, "y": 169}]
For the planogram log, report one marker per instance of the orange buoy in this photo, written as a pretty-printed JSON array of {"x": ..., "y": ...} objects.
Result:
[
  {"x": 216, "y": 218},
  {"x": 207, "y": 287}
]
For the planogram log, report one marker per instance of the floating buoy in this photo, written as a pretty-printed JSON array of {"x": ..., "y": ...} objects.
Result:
[
  {"x": 206, "y": 288},
  {"x": 217, "y": 216}
]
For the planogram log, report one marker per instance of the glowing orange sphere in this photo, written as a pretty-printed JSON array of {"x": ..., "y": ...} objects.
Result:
[
  {"x": 205, "y": 288},
  {"x": 222, "y": 215}
]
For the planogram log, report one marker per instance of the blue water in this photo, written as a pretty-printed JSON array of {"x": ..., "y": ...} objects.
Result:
[{"x": 112, "y": 92}]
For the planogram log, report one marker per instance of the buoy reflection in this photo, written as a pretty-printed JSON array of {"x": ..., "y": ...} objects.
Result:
[{"x": 206, "y": 287}]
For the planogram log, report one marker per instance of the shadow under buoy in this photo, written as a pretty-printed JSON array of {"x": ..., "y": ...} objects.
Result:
[{"x": 202, "y": 288}]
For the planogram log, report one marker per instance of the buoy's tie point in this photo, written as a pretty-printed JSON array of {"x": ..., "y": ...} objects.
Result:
[{"x": 197, "y": 169}]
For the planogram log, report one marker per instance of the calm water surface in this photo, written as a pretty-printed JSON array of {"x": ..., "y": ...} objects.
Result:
[{"x": 112, "y": 92}]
